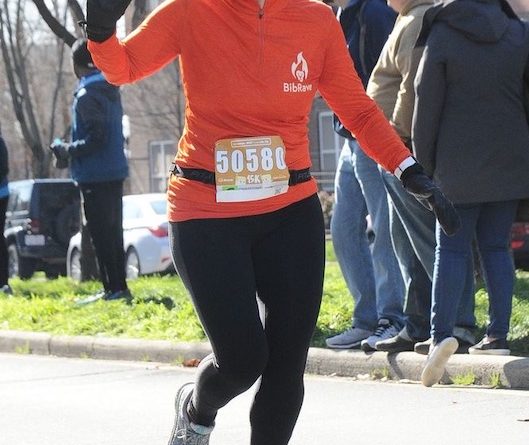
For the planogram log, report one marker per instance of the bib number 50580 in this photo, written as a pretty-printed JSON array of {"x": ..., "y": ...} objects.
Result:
[{"x": 251, "y": 159}]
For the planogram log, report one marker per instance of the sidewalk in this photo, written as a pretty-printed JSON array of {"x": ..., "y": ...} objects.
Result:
[{"x": 513, "y": 372}]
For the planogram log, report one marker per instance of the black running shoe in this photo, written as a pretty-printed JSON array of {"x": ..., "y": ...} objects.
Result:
[{"x": 499, "y": 346}]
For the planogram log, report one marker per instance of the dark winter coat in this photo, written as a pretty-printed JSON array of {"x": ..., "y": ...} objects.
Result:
[
  {"x": 469, "y": 128},
  {"x": 4, "y": 169},
  {"x": 366, "y": 25},
  {"x": 97, "y": 147}
]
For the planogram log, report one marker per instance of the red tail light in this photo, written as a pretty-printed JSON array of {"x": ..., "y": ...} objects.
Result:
[
  {"x": 519, "y": 235},
  {"x": 159, "y": 231},
  {"x": 517, "y": 244},
  {"x": 519, "y": 230}
]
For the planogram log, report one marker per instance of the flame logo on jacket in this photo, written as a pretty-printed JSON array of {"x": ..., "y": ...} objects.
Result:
[{"x": 300, "y": 68}]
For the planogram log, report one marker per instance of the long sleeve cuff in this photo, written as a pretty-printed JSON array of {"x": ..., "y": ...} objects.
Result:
[{"x": 408, "y": 162}]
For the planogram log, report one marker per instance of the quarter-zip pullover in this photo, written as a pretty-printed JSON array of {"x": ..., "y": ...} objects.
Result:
[{"x": 249, "y": 71}]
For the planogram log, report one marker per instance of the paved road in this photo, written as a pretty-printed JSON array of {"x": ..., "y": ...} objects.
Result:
[{"x": 58, "y": 401}]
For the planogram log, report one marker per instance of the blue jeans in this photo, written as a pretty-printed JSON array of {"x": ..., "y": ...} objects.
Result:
[
  {"x": 413, "y": 236},
  {"x": 372, "y": 274},
  {"x": 490, "y": 223}
]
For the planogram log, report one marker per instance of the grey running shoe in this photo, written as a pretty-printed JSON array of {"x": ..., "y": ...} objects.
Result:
[
  {"x": 383, "y": 331},
  {"x": 184, "y": 431},
  {"x": 348, "y": 339},
  {"x": 437, "y": 359}
]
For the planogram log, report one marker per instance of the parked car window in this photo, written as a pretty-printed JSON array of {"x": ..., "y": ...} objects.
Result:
[
  {"x": 159, "y": 207},
  {"x": 13, "y": 199},
  {"x": 24, "y": 197},
  {"x": 131, "y": 210}
]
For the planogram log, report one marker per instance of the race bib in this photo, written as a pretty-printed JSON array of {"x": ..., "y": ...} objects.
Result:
[{"x": 249, "y": 169}]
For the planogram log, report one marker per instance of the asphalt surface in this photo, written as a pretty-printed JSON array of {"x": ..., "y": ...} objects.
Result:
[
  {"x": 512, "y": 371},
  {"x": 47, "y": 400}
]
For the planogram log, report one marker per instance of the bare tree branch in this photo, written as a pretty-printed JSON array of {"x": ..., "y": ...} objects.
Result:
[
  {"x": 76, "y": 10},
  {"x": 32, "y": 98},
  {"x": 58, "y": 29},
  {"x": 58, "y": 84}
]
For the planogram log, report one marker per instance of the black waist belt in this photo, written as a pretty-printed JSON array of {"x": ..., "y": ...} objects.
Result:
[{"x": 207, "y": 177}]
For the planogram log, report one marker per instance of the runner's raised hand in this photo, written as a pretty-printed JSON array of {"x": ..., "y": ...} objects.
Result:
[{"x": 101, "y": 18}]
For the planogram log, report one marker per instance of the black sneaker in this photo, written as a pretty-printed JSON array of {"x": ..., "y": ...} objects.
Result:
[
  {"x": 500, "y": 346},
  {"x": 423, "y": 347},
  {"x": 399, "y": 343}
]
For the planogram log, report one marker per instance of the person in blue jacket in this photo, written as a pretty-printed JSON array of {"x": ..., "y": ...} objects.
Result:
[
  {"x": 98, "y": 164},
  {"x": 4, "y": 198},
  {"x": 372, "y": 273}
]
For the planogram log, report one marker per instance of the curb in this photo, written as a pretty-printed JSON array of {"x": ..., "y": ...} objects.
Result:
[
  {"x": 509, "y": 371},
  {"x": 488, "y": 370},
  {"x": 101, "y": 347}
]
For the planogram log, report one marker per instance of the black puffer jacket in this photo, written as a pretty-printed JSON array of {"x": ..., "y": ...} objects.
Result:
[{"x": 469, "y": 129}]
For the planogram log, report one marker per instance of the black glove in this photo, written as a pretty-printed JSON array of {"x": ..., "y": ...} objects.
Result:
[
  {"x": 101, "y": 18},
  {"x": 416, "y": 182},
  {"x": 60, "y": 151}
]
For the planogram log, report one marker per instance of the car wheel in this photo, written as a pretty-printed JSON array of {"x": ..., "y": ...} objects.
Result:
[
  {"x": 17, "y": 265},
  {"x": 132, "y": 264},
  {"x": 74, "y": 266}
]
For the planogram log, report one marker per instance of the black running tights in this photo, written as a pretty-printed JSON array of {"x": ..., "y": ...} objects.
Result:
[{"x": 224, "y": 263}]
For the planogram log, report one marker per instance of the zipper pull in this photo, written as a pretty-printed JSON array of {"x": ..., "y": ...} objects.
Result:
[{"x": 261, "y": 13}]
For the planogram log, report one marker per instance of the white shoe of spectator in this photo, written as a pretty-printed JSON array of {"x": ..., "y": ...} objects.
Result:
[{"x": 437, "y": 359}]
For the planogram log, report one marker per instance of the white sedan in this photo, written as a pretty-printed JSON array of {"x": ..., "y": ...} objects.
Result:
[{"x": 145, "y": 238}]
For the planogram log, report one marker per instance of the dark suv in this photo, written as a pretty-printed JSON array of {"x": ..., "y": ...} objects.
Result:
[{"x": 42, "y": 215}]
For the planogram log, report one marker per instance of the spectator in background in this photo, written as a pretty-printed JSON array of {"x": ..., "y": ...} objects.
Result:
[
  {"x": 98, "y": 164},
  {"x": 412, "y": 225},
  {"x": 470, "y": 132},
  {"x": 4, "y": 198},
  {"x": 372, "y": 274}
]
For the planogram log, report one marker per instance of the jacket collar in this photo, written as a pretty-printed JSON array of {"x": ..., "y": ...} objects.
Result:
[
  {"x": 414, "y": 3},
  {"x": 84, "y": 81}
]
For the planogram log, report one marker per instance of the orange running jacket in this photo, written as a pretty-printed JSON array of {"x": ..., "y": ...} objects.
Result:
[{"x": 242, "y": 76}]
